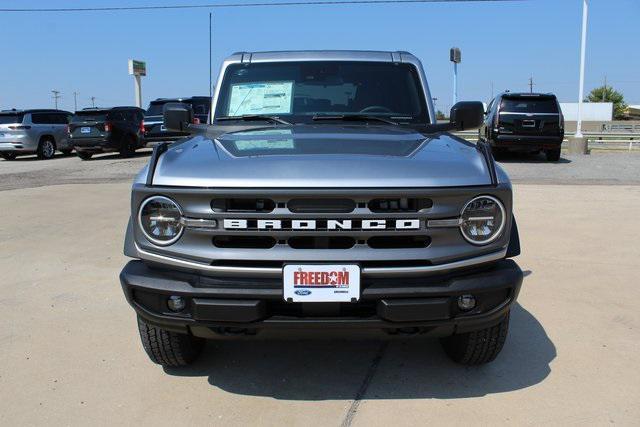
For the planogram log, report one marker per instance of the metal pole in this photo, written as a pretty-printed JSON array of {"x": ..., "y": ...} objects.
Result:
[
  {"x": 455, "y": 83},
  {"x": 138, "y": 86},
  {"x": 75, "y": 101},
  {"x": 210, "y": 77},
  {"x": 585, "y": 15}
]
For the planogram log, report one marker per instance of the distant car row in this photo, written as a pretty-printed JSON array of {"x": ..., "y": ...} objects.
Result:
[{"x": 91, "y": 130}]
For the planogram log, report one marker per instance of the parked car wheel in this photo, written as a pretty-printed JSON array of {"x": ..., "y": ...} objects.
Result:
[
  {"x": 477, "y": 347},
  {"x": 46, "y": 149},
  {"x": 8, "y": 156},
  {"x": 169, "y": 348},
  {"x": 84, "y": 155},
  {"x": 553, "y": 155}
]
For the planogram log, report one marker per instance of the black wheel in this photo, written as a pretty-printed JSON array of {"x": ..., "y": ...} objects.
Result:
[
  {"x": 553, "y": 155},
  {"x": 128, "y": 148},
  {"x": 8, "y": 156},
  {"x": 67, "y": 152},
  {"x": 477, "y": 347},
  {"x": 84, "y": 155},
  {"x": 168, "y": 348},
  {"x": 46, "y": 148}
]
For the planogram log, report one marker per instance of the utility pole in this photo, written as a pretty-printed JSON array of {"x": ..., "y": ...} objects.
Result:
[
  {"x": 75, "y": 101},
  {"x": 604, "y": 92},
  {"x": 56, "y": 95},
  {"x": 531, "y": 84},
  {"x": 93, "y": 101}
]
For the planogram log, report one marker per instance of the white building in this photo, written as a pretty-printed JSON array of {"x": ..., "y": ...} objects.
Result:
[{"x": 591, "y": 111}]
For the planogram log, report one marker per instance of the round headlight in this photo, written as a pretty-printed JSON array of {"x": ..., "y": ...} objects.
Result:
[
  {"x": 159, "y": 219},
  {"x": 482, "y": 220}
]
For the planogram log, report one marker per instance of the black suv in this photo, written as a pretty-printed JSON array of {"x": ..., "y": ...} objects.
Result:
[
  {"x": 103, "y": 130},
  {"x": 154, "y": 129},
  {"x": 531, "y": 122}
]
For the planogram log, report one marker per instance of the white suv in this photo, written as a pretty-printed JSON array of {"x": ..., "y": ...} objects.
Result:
[{"x": 34, "y": 131}]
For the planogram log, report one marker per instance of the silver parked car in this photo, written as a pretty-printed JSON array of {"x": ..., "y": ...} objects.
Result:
[
  {"x": 322, "y": 194},
  {"x": 34, "y": 131}
]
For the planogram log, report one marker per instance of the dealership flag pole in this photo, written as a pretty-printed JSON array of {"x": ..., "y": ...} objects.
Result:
[{"x": 585, "y": 13}]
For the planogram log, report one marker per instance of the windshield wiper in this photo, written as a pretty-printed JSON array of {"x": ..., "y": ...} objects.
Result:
[
  {"x": 355, "y": 118},
  {"x": 254, "y": 117}
]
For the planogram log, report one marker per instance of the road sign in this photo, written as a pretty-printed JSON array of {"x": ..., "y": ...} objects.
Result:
[{"x": 137, "y": 68}]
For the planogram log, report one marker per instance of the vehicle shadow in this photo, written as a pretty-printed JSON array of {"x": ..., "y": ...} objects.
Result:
[
  {"x": 518, "y": 157},
  {"x": 336, "y": 365}
]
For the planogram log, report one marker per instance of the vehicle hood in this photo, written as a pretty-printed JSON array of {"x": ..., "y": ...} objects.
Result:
[{"x": 323, "y": 156}]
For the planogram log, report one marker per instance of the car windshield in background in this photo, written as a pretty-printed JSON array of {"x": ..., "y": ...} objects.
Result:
[
  {"x": 6, "y": 119},
  {"x": 529, "y": 105},
  {"x": 301, "y": 90},
  {"x": 89, "y": 117},
  {"x": 155, "y": 109}
]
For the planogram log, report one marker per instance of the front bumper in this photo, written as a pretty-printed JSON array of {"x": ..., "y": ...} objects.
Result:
[{"x": 217, "y": 304}]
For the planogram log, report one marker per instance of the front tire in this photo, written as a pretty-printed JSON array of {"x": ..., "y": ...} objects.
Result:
[
  {"x": 477, "y": 347},
  {"x": 84, "y": 155},
  {"x": 553, "y": 155},
  {"x": 46, "y": 149},
  {"x": 128, "y": 148},
  {"x": 169, "y": 348}
]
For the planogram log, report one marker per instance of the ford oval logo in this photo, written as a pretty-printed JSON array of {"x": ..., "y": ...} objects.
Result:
[{"x": 302, "y": 292}]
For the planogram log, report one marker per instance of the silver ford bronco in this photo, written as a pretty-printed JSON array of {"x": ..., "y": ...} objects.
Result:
[{"x": 322, "y": 193}]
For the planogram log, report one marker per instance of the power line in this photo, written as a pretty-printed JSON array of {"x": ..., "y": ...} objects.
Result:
[{"x": 229, "y": 5}]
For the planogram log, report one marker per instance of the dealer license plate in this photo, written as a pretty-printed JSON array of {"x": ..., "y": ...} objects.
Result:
[
  {"x": 85, "y": 130},
  {"x": 321, "y": 282}
]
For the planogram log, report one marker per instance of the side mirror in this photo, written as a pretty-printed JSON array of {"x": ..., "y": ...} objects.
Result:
[
  {"x": 177, "y": 116},
  {"x": 466, "y": 115}
]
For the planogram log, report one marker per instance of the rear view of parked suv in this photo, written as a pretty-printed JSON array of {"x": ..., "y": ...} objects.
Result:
[
  {"x": 103, "y": 130},
  {"x": 154, "y": 128},
  {"x": 530, "y": 122},
  {"x": 33, "y": 131}
]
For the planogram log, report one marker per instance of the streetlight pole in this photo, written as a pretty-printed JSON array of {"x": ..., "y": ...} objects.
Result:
[{"x": 583, "y": 48}]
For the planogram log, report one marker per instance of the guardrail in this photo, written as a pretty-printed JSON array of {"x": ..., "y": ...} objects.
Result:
[{"x": 599, "y": 138}]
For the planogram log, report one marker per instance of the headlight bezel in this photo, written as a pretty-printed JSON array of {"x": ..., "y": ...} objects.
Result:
[
  {"x": 151, "y": 238},
  {"x": 495, "y": 236}
]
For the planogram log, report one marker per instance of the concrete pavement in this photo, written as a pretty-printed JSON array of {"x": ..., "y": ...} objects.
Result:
[{"x": 70, "y": 353}]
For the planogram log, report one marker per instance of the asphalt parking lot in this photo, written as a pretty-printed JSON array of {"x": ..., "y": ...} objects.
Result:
[{"x": 70, "y": 353}]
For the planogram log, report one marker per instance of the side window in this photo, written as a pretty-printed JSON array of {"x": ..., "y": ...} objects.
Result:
[
  {"x": 60, "y": 119},
  {"x": 39, "y": 118}
]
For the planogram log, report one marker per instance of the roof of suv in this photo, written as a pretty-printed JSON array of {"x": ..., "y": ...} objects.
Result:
[
  {"x": 84, "y": 110},
  {"x": 33, "y": 110},
  {"x": 189, "y": 98},
  {"x": 322, "y": 55},
  {"x": 525, "y": 94}
]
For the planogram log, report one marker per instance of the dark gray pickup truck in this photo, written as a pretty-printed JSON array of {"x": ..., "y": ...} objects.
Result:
[{"x": 322, "y": 194}]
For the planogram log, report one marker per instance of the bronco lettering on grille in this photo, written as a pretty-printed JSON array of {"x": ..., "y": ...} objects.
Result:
[{"x": 321, "y": 224}]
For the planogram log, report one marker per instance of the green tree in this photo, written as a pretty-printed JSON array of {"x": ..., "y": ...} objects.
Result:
[
  {"x": 609, "y": 94},
  {"x": 440, "y": 115}
]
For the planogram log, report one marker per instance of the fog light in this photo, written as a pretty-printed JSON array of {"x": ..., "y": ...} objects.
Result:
[
  {"x": 466, "y": 302},
  {"x": 176, "y": 303}
]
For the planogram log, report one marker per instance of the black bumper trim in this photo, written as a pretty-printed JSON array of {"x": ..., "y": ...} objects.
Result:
[{"x": 393, "y": 304}]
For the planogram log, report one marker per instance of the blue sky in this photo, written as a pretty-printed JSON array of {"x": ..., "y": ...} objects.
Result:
[{"x": 502, "y": 42}]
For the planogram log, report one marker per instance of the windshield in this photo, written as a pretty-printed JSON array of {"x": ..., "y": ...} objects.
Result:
[
  {"x": 297, "y": 91},
  {"x": 6, "y": 119},
  {"x": 529, "y": 105},
  {"x": 155, "y": 109},
  {"x": 89, "y": 116}
]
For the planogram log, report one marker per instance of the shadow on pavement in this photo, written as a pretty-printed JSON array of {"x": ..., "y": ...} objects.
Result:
[{"x": 335, "y": 365}]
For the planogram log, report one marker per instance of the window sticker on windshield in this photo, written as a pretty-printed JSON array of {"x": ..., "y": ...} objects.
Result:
[{"x": 261, "y": 98}]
